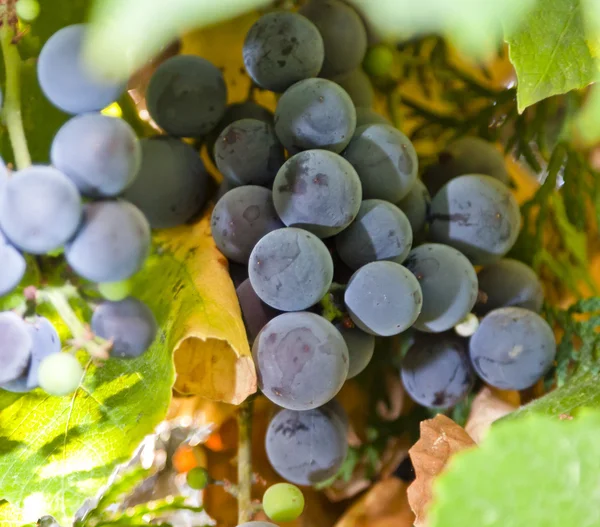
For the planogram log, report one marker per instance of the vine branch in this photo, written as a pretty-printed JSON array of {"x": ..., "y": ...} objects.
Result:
[
  {"x": 11, "y": 111},
  {"x": 244, "y": 496}
]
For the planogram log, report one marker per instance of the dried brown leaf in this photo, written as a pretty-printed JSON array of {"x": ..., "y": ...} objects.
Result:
[
  {"x": 440, "y": 439},
  {"x": 487, "y": 407}
]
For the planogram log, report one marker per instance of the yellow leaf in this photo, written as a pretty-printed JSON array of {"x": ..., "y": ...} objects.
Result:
[{"x": 188, "y": 277}]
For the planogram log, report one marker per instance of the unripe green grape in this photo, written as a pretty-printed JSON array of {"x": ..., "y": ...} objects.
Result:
[
  {"x": 115, "y": 291},
  {"x": 283, "y": 502},
  {"x": 27, "y": 10},
  {"x": 379, "y": 60},
  {"x": 60, "y": 374},
  {"x": 198, "y": 478}
]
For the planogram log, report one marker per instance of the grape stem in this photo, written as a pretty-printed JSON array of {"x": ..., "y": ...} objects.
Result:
[
  {"x": 11, "y": 111},
  {"x": 244, "y": 486}
]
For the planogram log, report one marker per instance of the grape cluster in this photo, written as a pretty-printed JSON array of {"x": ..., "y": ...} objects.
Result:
[{"x": 348, "y": 205}]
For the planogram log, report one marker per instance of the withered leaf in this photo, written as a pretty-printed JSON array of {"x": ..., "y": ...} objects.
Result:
[{"x": 487, "y": 407}]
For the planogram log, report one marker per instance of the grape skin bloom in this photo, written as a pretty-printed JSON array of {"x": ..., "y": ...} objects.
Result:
[
  {"x": 361, "y": 347},
  {"x": 255, "y": 312},
  {"x": 64, "y": 78},
  {"x": 416, "y": 206},
  {"x": 241, "y": 218},
  {"x": 306, "y": 448},
  {"x": 513, "y": 348},
  {"x": 100, "y": 154},
  {"x": 12, "y": 266},
  {"x": 301, "y": 360},
  {"x": 40, "y": 209},
  {"x": 383, "y": 298},
  {"x": 187, "y": 96},
  {"x": 290, "y": 269},
  {"x": 15, "y": 346},
  {"x": 318, "y": 191}
]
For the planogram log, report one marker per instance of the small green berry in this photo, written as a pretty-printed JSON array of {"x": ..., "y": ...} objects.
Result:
[
  {"x": 283, "y": 502},
  {"x": 27, "y": 10},
  {"x": 198, "y": 478},
  {"x": 59, "y": 374},
  {"x": 115, "y": 291},
  {"x": 379, "y": 60}
]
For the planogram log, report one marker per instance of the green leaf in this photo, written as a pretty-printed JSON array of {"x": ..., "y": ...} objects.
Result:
[
  {"x": 10, "y": 516},
  {"x": 57, "y": 451},
  {"x": 550, "y": 52},
  {"x": 537, "y": 471},
  {"x": 127, "y": 33}
]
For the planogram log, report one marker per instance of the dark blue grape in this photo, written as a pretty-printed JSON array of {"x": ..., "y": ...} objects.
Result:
[
  {"x": 449, "y": 285},
  {"x": 129, "y": 324},
  {"x": 12, "y": 266},
  {"x": 367, "y": 116},
  {"x": 281, "y": 49},
  {"x": 385, "y": 160},
  {"x": 45, "y": 341},
  {"x": 383, "y": 298},
  {"x": 360, "y": 345},
  {"x": 112, "y": 243},
  {"x": 255, "y": 312},
  {"x": 381, "y": 231},
  {"x": 65, "y": 79},
  {"x": 100, "y": 154},
  {"x": 416, "y": 206},
  {"x": 241, "y": 218},
  {"x": 344, "y": 35},
  {"x": 40, "y": 209},
  {"x": 248, "y": 153},
  {"x": 358, "y": 85},
  {"x": 187, "y": 96},
  {"x": 306, "y": 448},
  {"x": 436, "y": 372},
  {"x": 509, "y": 283},
  {"x": 477, "y": 215},
  {"x": 290, "y": 269},
  {"x": 468, "y": 155},
  {"x": 171, "y": 185},
  {"x": 315, "y": 113},
  {"x": 15, "y": 347},
  {"x": 301, "y": 360},
  {"x": 513, "y": 348},
  {"x": 318, "y": 191}
]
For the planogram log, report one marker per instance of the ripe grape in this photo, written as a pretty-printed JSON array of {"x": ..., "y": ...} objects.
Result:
[
  {"x": 60, "y": 374},
  {"x": 385, "y": 160},
  {"x": 477, "y": 215},
  {"x": 45, "y": 341},
  {"x": 100, "y": 154},
  {"x": 383, "y": 298},
  {"x": 255, "y": 312},
  {"x": 416, "y": 206},
  {"x": 171, "y": 185},
  {"x": 290, "y": 269},
  {"x": 187, "y": 96},
  {"x": 358, "y": 85},
  {"x": 65, "y": 79},
  {"x": 315, "y": 113},
  {"x": 283, "y": 502},
  {"x": 468, "y": 155},
  {"x": 12, "y": 266},
  {"x": 129, "y": 324},
  {"x": 241, "y": 218},
  {"x": 306, "y": 448},
  {"x": 40, "y": 209},
  {"x": 436, "y": 372},
  {"x": 337, "y": 410},
  {"x": 248, "y": 153},
  {"x": 513, "y": 348},
  {"x": 318, "y": 191},
  {"x": 281, "y": 49},
  {"x": 112, "y": 243},
  {"x": 344, "y": 35},
  {"x": 367, "y": 116},
  {"x": 510, "y": 283},
  {"x": 381, "y": 231},
  {"x": 360, "y": 345},
  {"x": 15, "y": 346},
  {"x": 449, "y": 285},
  {"x": 197, "y": 478},
  {"x": 301, "y": 360}
]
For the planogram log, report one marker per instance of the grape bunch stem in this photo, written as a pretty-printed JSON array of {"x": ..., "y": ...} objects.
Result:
[{"x": 11, "y": 111}]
